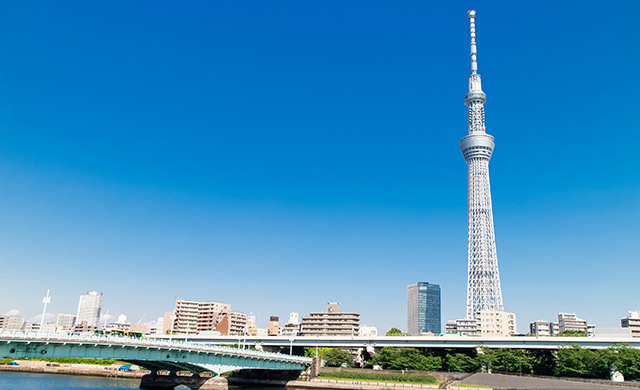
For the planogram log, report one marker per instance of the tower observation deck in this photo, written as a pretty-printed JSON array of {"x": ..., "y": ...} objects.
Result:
[{"x": 483, "y": 286}]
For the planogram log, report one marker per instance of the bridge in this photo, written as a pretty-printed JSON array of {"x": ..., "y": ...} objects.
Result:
[
  {"x": 156, "y": 355},
  {"x": 447, "y": 341}
]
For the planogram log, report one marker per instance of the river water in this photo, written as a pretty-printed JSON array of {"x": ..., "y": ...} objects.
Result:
[{"x": 28, "y": 381}]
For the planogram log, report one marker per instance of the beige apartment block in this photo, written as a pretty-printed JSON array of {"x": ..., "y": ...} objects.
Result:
[
  {"x": 496, "y": 323},
  {"x": 332, "y": 322},
  {"x": 274, "y": 326},
  {"x": 192, "y": 317},
  {"x": 11, "y": 322}
]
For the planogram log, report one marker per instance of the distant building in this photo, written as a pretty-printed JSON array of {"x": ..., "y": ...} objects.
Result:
[
  {"x": 29, "y": 326},
  {"x": 571, "y": 322},
  {"x": 294, "y": 318},
  {"x": 332, "y": 322},
  {"x": 142, "y": 328},
  {"x": 496, "y": 323},
  {"x": 423, "y": 308},
  {"x": 292, "y": 327},
  {"x": 541, "y": 328},
  {"x": 194, "y": 317},
  {"x": 251, "y": 326},
  {"x": 49, "y": 327},
  {"x": 290, "y": 330},
  {"x": 464, "y": 327},
  {"x": 89, "y": 308},
  {"x": 210, "y": 314},
  {"x": 121, "y": 323},
  {"x": 65, "y": 321},
  {"x": 368, "y": 331},
  {"x": 274, "y": 326},
  {"x": 167, "y": 322},
  {"x": 11, "y": 322},
  {"x": 84, "y": 327},
  {"x": 233, "y": 324},
  {"x": 632, "y": 321}
]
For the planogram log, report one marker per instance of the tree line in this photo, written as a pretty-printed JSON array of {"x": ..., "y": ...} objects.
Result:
[{"x": 573, "y": 361}]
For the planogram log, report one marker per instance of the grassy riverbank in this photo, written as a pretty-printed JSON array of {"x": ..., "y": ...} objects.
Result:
[{"x": 381, "y": 377}]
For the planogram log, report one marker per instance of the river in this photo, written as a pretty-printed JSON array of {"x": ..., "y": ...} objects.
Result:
[{"x": 29, "y": 381}]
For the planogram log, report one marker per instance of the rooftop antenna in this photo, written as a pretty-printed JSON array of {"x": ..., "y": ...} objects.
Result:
[{"x": 474, "y": 52}]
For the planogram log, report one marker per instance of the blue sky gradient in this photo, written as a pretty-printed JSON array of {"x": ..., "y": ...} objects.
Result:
[{"x": 280, "y": 155}]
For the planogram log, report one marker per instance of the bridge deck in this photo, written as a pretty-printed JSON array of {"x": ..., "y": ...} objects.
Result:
[{"x": 153, "y": 354}]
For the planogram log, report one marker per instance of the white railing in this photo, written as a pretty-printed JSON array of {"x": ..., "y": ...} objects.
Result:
[{"x": 161, "y": 343}]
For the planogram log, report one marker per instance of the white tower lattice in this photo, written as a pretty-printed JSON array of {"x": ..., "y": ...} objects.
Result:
[{"x": 483, "y": 286}]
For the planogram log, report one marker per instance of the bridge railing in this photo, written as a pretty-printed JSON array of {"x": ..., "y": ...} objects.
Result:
[{"x": 162, "y": 343}]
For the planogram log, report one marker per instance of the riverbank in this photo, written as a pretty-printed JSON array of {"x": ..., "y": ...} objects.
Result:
[{"x": 112, "y": 371}]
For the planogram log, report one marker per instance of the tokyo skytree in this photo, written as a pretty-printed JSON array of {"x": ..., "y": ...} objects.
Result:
[{"x": 483, "y": 286}]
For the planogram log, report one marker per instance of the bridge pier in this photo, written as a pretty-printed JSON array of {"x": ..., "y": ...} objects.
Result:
[{"x": 154, "y": 381}]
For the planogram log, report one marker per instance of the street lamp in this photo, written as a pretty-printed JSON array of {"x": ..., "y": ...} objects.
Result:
[
  {"x": 46, "y": 301},
  {"x": 291, "y": 345}
]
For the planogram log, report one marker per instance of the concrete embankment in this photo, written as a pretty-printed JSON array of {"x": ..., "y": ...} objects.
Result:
[
  {"x": 321, "y": 384},
  {"x": 72, "y": 369}
]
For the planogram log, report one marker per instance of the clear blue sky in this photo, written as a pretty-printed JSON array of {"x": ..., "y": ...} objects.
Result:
[{"x": 280, "y": 155}]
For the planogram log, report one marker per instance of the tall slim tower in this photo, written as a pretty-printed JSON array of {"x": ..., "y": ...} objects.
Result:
[{"x": 483, "y": 286}]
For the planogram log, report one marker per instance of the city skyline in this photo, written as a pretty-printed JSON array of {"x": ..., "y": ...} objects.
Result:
[{"x": 307, "y": 154}]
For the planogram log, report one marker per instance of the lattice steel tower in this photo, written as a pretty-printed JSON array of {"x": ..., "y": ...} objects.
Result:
[{"x": 483, "y": 286}]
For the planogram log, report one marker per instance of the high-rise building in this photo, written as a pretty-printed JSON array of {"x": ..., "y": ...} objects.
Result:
[
  {"x": 191, "y": 317},
  {"x": 332, "y": 322},
  {"x": 633, "y": 322},
  {"x": 483, "y": 286},
  {"x": 423, "y": 308},
  {"x": 89, "y": 308}
]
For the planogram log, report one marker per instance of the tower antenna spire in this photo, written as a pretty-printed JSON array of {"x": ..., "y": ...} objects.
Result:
[{"x": 474, "y": 52}]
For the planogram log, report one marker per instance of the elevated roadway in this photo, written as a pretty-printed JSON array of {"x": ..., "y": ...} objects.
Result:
[{"x": 449, "y": 341}]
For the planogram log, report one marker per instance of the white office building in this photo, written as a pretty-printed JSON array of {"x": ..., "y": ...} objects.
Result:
[
  {"x": 571, "y": 322},
  {"x": 368, "y": 331},
  {"x": 632, "y": 322},
  {"x": 89, "y": 308}
]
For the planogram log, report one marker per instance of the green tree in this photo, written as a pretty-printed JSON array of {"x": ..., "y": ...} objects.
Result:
[
  {"x": 543, "y": 361},
  {"x": 513, "y": 360},
  {"x": 625, "y": 359},
  {"x": 407, "y": 359},
  {"x": 460, "y": 362},
  {"x": 575, "y": 361},
  {"x": 394, "y": 332},
  {"x": 336, "y": 357},
  {"x": 486, "y": 357}
]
